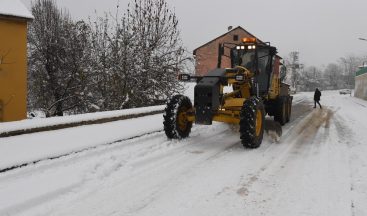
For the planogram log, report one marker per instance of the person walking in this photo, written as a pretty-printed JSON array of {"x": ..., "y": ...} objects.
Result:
[{"x": 316, "y": 98}]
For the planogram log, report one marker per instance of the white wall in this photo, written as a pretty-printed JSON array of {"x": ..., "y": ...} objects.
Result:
[{"x": 361, "y": 86}]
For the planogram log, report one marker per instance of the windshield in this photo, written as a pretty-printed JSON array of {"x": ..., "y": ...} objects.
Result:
[
  {"x": 263, "y": 59},
  {"x": 244, "y": 58},
  {"x": 247, "y": 60},
  {"x": 258, "y": 61}
]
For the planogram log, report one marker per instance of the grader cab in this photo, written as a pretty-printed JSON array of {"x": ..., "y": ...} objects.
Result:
[{"x": 257, "y": 90}]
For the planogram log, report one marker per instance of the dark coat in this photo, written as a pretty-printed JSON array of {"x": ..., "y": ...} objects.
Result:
[{"x": 317, "y": 95}]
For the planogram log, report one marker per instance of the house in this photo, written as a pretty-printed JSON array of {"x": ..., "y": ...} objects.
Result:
[
  {"x": 206, "y": 56},
  {"x": 13, "y": 60},
  {"x": 360, "y": 90}
]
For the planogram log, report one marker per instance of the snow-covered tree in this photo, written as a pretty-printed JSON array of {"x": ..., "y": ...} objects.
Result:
[
  {"x": 57, "y": 55},
  {"x": 158, "y": 49},
  {"x": 127, "y": 60}
]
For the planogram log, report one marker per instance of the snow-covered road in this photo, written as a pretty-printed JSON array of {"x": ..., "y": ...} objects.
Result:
[{"x": 319, "y": 167}]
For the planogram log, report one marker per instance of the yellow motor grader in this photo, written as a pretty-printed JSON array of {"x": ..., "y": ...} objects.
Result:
[{"x": 255, "y": 77}]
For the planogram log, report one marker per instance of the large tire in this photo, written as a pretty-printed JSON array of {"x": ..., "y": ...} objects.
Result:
[
  {"x": 289, "y": 109},
  {"x": 281, "y": 111},
  {"x": 176, "y": 125},
  {"x": 252, "y": 118}
]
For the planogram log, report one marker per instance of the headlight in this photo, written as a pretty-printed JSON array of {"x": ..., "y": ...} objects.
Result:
[
  {"x": 251, "y": 47},
  {"x": 240, "y": 77}
]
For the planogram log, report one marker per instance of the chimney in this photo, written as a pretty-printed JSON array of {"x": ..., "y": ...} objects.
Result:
[{"x": 230, "y": 28}]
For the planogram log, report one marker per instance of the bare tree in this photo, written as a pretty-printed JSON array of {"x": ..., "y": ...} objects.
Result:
[
  {"x": 350, "y": 65},
  {"x": 122, "y": 61},
  {"x": 56, "y": 47},
  {"x": 294, "y": 67},
  {"x": 332, "y": 75},
  {"x": 311, "y": 78},
  {"x": 137, "y": 56}
]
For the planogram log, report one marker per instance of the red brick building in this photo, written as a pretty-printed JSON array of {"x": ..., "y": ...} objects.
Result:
[{"x": 206, "y": 56}]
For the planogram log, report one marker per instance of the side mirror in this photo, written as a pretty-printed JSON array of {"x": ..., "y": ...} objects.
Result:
[
  {"x": 184, "y": 77},
  {"x": 273, "y": 51}
]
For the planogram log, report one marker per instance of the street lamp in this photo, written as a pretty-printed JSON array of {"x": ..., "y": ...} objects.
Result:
[{"x": 364, "y": 63}]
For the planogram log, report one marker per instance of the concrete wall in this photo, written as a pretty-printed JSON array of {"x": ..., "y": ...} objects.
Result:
[
  {"x": 360, "y": 90},
  {"x": 13, "y": 69},
  {"x": 207, "y": 56}
]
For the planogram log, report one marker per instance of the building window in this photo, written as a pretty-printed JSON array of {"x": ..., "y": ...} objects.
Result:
[{"x": 235, "y": 37}]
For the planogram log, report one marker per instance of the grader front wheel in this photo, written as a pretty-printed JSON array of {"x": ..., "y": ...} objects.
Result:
[
  {"x": 252, "y": 119},
  {"x": 176, "y": 123}
]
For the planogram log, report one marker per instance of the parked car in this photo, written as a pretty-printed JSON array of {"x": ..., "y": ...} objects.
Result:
[{"x": 345, "y": 91}]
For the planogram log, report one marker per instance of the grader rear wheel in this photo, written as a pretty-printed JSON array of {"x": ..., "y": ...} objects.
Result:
[
  {"x": 281, "y": 111},
  {"x": 289, "y": 109},
  {"x": 176, "y": 124},
  {"x": 252, "y": 119}
]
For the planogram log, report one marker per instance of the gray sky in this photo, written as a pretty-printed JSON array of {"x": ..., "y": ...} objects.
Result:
[{"x": 321, "y": 30}]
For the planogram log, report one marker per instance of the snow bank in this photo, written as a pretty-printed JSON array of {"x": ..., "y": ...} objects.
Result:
[{"x": 24, "y": 125}]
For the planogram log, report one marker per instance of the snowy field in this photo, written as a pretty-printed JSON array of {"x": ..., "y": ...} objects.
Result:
[{"x": 319, "y": 167}]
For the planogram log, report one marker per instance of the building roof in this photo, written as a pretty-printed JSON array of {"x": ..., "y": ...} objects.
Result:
[
  {"x": 361, "y": 71},
  {"x": 238, "y": 27},
  {"x": 14, "y": 8}
]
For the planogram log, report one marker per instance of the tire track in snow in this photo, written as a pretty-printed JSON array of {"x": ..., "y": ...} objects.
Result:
[
  {"x": 104, "y": 169},
  {"x": 345, "y": 134},
  {"x": 107, "y": 165},
  {"x": 300, "y": 111},
  {"x": 314, "y": 144},
  {"x": 299, "y": 141},
  {"x": 257, "y": 161},
  {"x": 143, "y": 165}
]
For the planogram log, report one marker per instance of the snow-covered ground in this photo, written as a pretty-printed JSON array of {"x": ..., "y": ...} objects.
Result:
[
  {"x": 319, "y": 167},
  {"x": 28, "y": 148}
]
